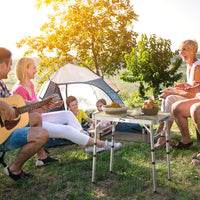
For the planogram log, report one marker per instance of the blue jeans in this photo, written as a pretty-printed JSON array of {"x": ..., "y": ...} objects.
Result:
[
  {"x": 17, "y": 139},
  {"x": 128, "y": 127}
]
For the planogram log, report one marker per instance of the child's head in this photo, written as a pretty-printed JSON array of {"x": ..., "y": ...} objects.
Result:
[
  {"x": 72, "y": 103},
  {"x": 100, "y": 103}
]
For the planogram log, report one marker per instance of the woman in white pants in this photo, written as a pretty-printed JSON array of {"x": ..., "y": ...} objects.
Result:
[
  {"x": 54, "y": 122},
  {"x": 63, "y": 124}
]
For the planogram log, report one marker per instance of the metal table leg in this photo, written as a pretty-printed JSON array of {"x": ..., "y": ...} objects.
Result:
[
  {"x": 112, "y": 147},
  {"x": 167, "y": 149},
  {"x": 153, "y": 157},
  {"x": 94, "y": 153}
]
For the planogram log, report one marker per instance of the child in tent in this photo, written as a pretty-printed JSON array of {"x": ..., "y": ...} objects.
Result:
[
  {"x": 72, "y": 105},
  {"x": 103, "y": 124}
]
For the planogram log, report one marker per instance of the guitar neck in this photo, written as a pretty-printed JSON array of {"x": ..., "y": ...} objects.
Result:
[{"x": 32, "y": 106}]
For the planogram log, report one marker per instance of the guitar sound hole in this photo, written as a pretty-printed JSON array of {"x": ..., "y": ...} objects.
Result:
[{"x": 11, "y": 124}]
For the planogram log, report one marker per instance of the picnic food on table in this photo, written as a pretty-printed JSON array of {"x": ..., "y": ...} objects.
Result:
[
  {"x": 114, "y": 105},
  {"x": 150, "y": 104},
  {"x": 115, "y": 108}
]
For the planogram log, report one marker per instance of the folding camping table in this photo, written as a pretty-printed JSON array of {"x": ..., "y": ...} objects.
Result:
[{"x": 148, "y": 122}]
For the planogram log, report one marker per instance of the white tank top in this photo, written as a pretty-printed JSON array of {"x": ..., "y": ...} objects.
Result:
[{"x": 189, "y": 78}]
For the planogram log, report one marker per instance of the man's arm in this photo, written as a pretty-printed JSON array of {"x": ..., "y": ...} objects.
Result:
[{"x": 49, "y": 106}]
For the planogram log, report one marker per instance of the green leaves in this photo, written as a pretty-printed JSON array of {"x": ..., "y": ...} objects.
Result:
[
  {"x": 98, "y": 33},
  {"x": 152, "y": 62}
]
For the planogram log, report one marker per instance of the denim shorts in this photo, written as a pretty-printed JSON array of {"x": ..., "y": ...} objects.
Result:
[{"x": 17, "y": 139}]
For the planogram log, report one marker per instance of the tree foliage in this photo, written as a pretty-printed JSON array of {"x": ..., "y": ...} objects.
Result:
[
  {"x": 153, "y": 63},
  {"x": 100, "y": 32}
]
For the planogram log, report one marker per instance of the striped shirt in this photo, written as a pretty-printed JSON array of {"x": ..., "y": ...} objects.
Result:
[{"x": 4, "y": 92}]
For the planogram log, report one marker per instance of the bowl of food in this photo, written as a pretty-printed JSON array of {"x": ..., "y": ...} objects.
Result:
[
  {"x": 150, "y": 108},
  {"x": 114, "y": 108},
  {"x": 149, "y": 111}
]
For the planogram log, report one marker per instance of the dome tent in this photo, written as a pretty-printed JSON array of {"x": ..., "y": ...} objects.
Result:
[{"x": 80, "y": 82}]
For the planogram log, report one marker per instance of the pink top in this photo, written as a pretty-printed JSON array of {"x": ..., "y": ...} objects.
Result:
[
  {"x": 21, "y": 90},
  {"x": 102, "y": 124}
]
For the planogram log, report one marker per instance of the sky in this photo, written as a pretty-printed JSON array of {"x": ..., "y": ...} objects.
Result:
[{"x": 176, "y": 20}]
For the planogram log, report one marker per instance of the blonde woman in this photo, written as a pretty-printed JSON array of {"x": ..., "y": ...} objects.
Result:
[
  {"x": 170, "y": 96},
  {"x": 53, "y": 121}
]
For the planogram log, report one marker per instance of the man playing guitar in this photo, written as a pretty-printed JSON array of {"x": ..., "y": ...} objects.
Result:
[{"x": 31, "y": 138}]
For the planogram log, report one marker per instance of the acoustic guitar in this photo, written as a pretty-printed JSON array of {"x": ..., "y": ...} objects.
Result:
[{"x": 21, "y": 114}]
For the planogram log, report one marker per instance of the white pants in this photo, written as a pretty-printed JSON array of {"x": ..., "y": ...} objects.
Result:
[
  {"x": 167, "y": 103},
  {"x": 53, "y": 122}
]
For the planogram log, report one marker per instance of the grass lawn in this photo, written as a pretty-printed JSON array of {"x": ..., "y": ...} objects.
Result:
[{"x": 131, "y": 178}]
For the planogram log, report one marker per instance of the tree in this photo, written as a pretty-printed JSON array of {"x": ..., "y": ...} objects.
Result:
[
  {"x": 153, "y": 63},
  {"x": 100, "y": 32}
]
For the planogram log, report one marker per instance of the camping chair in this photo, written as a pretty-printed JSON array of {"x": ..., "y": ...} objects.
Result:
[{"x": 100, "y": 133}]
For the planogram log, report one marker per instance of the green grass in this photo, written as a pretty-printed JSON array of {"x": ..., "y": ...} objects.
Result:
[{"x": 131, "y": 178}]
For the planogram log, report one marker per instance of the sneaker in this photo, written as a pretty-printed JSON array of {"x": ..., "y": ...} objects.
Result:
[
  {"x": 17, "y": 177},
  {"x": 47, "y": 160},
  {"x": 91, "y": 149},
  {"x": 107, "y": 145}
]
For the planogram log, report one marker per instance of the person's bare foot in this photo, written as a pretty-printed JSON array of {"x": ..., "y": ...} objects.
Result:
[
  {"x": 196, "y": 159},
  {"x": 160, "y": 143}
]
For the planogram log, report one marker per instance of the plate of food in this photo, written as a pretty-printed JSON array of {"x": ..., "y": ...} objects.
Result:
[{"x": 114, "y": 108}]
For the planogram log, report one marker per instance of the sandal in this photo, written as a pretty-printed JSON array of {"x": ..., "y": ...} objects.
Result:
[
  {"x": 197, "y": 158},
  {"x": 181, "y": 145},
  {"x": 17, "y": 177}
]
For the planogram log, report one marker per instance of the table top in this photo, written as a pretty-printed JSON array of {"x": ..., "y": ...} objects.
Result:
[{"x": 130, "y": 117}]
